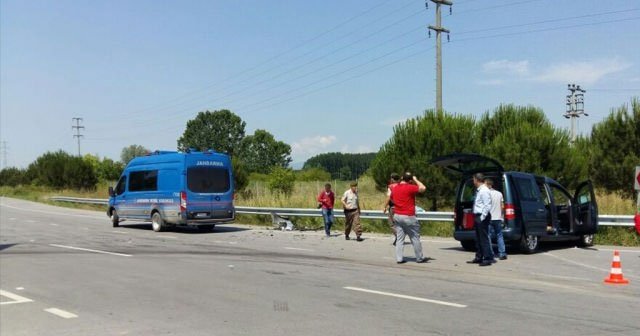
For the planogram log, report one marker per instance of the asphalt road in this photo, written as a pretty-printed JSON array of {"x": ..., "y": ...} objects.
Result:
[{"x": 68, "y": 272}]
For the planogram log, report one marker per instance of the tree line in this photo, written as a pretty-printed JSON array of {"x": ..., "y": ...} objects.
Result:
[
  {"x": 521, "y": 138},
  {"x": 343, "y": 166}
]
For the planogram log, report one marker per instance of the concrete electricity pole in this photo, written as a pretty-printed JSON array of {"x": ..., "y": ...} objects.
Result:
[
  {"x": 439, "y": 29},
  {"x": 77, "y": 127},
  {"x": 575, "y": 107},
  {"x": 4, "y": 150}
]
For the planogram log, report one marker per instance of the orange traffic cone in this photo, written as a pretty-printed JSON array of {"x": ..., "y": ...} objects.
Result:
[{"x": 615, "y": 276}]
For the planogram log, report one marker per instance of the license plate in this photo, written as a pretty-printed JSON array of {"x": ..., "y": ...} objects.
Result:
[{"x": 202, "y": 215}]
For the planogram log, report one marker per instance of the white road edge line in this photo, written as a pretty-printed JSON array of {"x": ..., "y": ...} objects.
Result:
[
  {"x": 415, "y": 298},
  {"x": 15, "y": 297},
  {"x": 621, "y": 251},
  {"x": 61, "y": 313},
  {"x": 90, "y": 250},
  {"x": 298, "y": 249},
  {"x": 604, "y": 270}
]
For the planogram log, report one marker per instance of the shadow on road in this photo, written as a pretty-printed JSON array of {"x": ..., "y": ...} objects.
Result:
[
  {"x": 6, "y": 246},
  {"x": 225, "y": 228}
]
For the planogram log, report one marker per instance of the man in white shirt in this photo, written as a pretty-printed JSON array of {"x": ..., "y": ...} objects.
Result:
[
  {"x": 496, "y": 218},
  {"x": 351, "y": 208},
  {"x": 481, "y": 207}
]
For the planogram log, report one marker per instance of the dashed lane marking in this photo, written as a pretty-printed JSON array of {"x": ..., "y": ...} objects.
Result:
[
  {"x": 53, "y": 224},
  {"x": 407, "y": 297},
  {"x": 90, "y": 250},
  {"x": 15, "y": 297},
  {"x": 120, "y": 232},
  {"x": 61, "y": 313},
  {"x": 298, "y": 249}
]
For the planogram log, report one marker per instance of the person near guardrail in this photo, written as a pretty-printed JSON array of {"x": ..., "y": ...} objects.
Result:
[
  {"x": 388, "y": 205},
  {"x": 404, "y": 217},
  {"x": 497, "y": 204},
  {"x": 326, "y": 200},
  {"x": 351, "y": 206}
]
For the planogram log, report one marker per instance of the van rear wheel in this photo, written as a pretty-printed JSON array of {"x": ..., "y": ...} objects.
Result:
[
  {"x": 115, "y": 219},
  {"x": 528, "y": 243},
  {"x": 205, "y": 228},
  {"x": 157, "y": 223},
  {"x": 585, "y": 240},
  {"x": 468, "y": 245}
]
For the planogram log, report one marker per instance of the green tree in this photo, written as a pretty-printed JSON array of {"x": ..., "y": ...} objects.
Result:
[
  {"x": 357, "y": 163},
  {"x": 130, "y": 152},
  {"x": 109, "y": 170},
  {"x": 415, "y": 142},
  {"x": 79, "y": 174},
  {"x": 313, "y": 174},
  {"x": 220, "y": 130},
  {"x": 615, "y": 149},
  {"x": 61, "y": 170},
  {"x": 240, "y": 174},
  {"x": 281, "y": 180},
  {"x": 13, "y": 177},
  {"x": 261, "y": 152}
]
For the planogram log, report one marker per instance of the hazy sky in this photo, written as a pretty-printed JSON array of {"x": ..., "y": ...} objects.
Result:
[{"x": 320, "y": 75}]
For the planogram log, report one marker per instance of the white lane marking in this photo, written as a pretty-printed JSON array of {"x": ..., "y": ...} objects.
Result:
[
  {"x": 61, "y": 313},
  {"x": 401, "y": 296},
  {"x": 15, "y": 297},
  {"x": 12, "y": 218},
  {"x": 90, "y": 250},
  {"x": 30, "y": 221},
  {"x": 19, "y": 288},
  {"x": 233, "y": 243},
  {"x": 51, "y": 212},
  {"x": 298, "y": 249},
  {"x": 621, "y": 251},
  {"x": 170, "y": 237},
  {"x": 120, "y": 232},
  {"x": 219, "y": 242},
  {"x": 581, "y": 264},
  {"x": 53, "y": 224}
]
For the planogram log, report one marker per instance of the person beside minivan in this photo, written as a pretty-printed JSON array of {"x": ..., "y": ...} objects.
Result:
[
  {"x": 351, "y": 207},
  {"x": 404, "y": 217},
  {"x": 482, "y": 219},
  {"x": 497, "y": 205},
  {"x": 326, "y": 200}
]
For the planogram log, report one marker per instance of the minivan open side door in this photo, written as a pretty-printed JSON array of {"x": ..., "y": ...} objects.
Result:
[{"x": 586, "y": 209}]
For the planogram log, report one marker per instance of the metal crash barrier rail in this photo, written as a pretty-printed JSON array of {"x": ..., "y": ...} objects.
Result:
[{"x": 432, "y": 216}]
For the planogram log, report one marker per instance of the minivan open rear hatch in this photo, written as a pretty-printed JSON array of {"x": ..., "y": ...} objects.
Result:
[{"x": 468, "y": 163}]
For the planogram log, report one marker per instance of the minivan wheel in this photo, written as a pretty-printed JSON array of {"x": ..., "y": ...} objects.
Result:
[
  {"x": 115, "y": 220},
  {"x": 529, "y": 243},
  {"x": 585, "y": 240},
  {"x": 468, "y": 245},
  {"x": 208, "y": 227},
  {"x": 157, "y": 224}
]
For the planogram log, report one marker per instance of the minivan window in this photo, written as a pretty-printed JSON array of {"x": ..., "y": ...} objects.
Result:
[
  {"x": 208, "y": 179},
  {"x": 527, "y": 189},
  {"x": 468, "y": 191},
  {"x": 145, "y": 180},
  {"x": 121, "y": 185}
]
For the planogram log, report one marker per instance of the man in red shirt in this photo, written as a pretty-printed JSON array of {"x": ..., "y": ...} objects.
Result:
[
  {"x": 326, "y": 200},
  {"x": 404, "y": 216}
]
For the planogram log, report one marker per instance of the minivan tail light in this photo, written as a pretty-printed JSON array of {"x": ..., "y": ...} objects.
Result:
[
  {"x": 509, "y": 211},
  {"x": 183, "y": 201}
]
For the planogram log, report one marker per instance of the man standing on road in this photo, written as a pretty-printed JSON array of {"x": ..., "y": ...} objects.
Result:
[
  {"x": 351, "y": 207},
  {"x": 496, "y": 219},
  {"x": 482, "y": 218},
  {"x": 388, "y": 205},
  {"x": 404, "y": 217},
  {"x": 326, "y": 200}
]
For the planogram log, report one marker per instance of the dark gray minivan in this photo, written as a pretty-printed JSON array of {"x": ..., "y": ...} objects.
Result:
[{"x": 536, "y": 208}]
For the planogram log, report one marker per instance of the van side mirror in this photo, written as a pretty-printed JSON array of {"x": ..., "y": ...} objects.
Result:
[{"x": 111, "y": 192}]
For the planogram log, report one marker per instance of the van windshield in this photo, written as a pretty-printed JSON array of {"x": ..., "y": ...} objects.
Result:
[{"x": 208, "y": 179}]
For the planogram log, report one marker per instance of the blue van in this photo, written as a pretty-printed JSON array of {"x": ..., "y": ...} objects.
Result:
[{"x": 175, "y": 188}]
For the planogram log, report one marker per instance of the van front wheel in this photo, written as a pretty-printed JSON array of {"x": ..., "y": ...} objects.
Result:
[
  {"x": 115, "y": 220},
  {"x": 157, "y": 224},
  {"x": 529, "y": 243},
  {"x": 468, "y": 245},
  {"x": 585, "y": 240}
]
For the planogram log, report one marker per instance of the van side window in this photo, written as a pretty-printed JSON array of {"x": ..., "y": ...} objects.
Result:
[
  {"x": 527, "y": 189},
  {"x": 121, "y": 185},
  {"x": 145, "y": 180}
]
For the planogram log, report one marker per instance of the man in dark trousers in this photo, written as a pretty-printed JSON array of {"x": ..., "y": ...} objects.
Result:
[{"x": 482, "y": 220}]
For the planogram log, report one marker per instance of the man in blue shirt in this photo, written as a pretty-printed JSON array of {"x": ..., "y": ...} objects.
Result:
[{"x": 482, "y": 219}]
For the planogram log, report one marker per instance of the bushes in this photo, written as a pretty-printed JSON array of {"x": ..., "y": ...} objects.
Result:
[
  {"x": 60, "y": 170},
  {"x": 13, "y": 177}
]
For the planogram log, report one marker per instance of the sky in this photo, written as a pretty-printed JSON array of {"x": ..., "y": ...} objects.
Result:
[{"x": 322, "y": 76}]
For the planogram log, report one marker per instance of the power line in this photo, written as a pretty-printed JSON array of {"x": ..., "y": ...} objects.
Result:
[{"x": 77, "y": 127}]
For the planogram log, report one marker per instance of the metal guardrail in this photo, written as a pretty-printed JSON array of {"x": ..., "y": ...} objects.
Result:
[{"x": 432, "y": 216}]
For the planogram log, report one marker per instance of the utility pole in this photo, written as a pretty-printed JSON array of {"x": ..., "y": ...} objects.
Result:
[
  {"x": 439, "y": 29},
  {"x": 575, "y": 107},
  {"x": 77, "y": 127},
  {"x": 4, "y": 150}
]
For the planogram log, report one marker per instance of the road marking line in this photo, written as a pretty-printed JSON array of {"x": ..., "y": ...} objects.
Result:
[
  {"x": 61, "y": 313},
  {"x": 90, "y": 250},
  {"x": 297, "y": 249},
  {"x": 50, "y": 212},
  {"x": 120, "y": 232},
  {"x": 53, "y": 224},
  {"x": 15, "y": 297},
  {"x": 611, "y": 250},
  {"x": 19, "y": 288},
  {"x": 12, "y": 218},
  {"x": 583, "y": 265},
  {"x": 415, "y": 298},
  {"x": 171, "y": 237},
  {"x": 31, "y": 221},
  {"x": 233, "y": 243}
]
